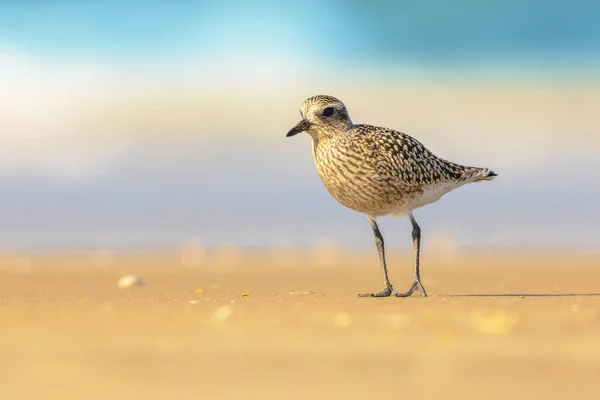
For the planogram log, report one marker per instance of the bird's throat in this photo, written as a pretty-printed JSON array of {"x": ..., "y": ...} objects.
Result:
[{"x": 313, "y": 146}]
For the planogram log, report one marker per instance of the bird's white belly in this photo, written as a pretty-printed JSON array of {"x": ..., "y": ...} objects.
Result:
[{"x": 433, "y": 193}]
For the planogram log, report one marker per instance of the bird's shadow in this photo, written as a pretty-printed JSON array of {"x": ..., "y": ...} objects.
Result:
[{"x": 526, "y": 295}]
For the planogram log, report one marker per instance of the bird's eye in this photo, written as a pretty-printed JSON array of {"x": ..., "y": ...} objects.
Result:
[{"x": 328, "y": 112}]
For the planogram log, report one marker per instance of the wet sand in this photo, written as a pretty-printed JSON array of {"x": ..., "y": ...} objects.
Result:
[{"x": 520, "y": 325}]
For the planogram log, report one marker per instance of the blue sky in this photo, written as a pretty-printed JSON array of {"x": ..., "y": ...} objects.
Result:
[{"x": 411, "y": 31}]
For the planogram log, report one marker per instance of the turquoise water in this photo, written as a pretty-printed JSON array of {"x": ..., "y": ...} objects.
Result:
[{"x": 424, "y": 31}]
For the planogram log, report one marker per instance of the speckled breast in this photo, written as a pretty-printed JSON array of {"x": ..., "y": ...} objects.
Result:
[{"x": 351, "y": 176}]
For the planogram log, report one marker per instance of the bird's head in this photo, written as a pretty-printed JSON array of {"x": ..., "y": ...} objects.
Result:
[{"x": 322, "y": 116}]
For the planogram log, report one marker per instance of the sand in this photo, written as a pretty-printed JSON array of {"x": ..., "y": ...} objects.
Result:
[{"x": 520, "y": 325}]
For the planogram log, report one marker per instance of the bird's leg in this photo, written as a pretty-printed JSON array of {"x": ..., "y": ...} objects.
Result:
[
  {"x": 416, "y": 285},
  {"x": 389, "y": 290}
]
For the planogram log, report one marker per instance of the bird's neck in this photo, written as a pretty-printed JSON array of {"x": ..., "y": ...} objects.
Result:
[
  {"x": 332, "y": 132},
  {"x": 319, "y": 142},
  {"x": 313, "y": 147}
]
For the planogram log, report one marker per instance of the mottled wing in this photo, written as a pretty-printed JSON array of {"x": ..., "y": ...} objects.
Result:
[{"x": 401, "y": 156}]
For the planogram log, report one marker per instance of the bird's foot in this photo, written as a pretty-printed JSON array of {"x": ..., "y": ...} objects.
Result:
[
  {"x": 390, "y": 291},
  {"x": 416, "y": 285},
  {"x": 387, "y": 292}
]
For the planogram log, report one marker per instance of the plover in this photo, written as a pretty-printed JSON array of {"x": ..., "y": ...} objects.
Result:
[{"x": 378, "y": 171}]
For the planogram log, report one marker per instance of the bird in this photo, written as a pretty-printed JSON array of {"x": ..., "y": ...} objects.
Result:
[{"x": 379, "y": 172}]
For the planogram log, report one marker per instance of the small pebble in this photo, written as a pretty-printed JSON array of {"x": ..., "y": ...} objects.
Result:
[{"x": 128, "y": 281}]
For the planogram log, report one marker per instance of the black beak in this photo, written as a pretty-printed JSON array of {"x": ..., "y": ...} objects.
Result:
[{"x": 300, "y": 127}]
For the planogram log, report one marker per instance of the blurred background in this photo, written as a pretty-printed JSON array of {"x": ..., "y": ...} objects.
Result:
[{"x": 152, "y": 124}]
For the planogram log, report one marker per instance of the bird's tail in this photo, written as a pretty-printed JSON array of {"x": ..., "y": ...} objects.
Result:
[{"x": 473, "y": 174}]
